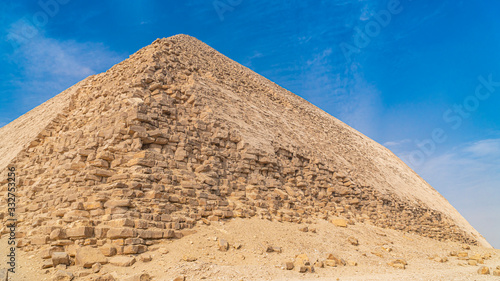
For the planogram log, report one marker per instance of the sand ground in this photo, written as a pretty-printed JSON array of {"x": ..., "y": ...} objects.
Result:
[{"x": 252, "y": 262}]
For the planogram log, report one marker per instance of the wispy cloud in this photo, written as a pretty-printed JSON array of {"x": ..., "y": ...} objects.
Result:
[
  {"x": 485, "y": 148},
  {"x": 468, "y": 176},
  {"x": 390, "y": 144},
  {"x": 46, "y": 66}
]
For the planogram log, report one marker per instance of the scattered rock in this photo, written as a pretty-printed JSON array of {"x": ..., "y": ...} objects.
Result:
[
  {"x": 271, "y": 249},
  {"x": 96, "y": 267},
  {"x": 483, "y": 270},
  {"x": 87, "y": 256},
  {"x": 472, "y": 262},
  {"x": 123, "y": 261},
  {"x": 338, "y": 261},
  {"x": 188, "y": 258},
  {"x": 60, "y": 258},
  {"x": 478, "y": 258},
  {"x": 145, "y": 257},
  {"x": 106, "y": 277},
  {"x": 339, "y": 222},
  {"x": 304, "y": 229},
  {"x": 138, "y": 277},
  {"x": 465, "y": 247},
  {"x": 46, "y": 264},
  {"x": 463, "y": 256},
  {"x": 180, "y": 278},
  {"x": 353, "y": 241},
  {"x": 496, "y": 272},
  {"x": 108, "y": 250},
  {"x": 441, "y": 259},
  {"x": 319, "y": 264},
  {"x": 398, "y": 263},
  {"x": 223, "y": 245},
  {"x": 62, "y": 275},
  {"x": 289, "y": 265},
  {"x": 378, "y": 254},
  {"x": 453, "y": 254},
  {"x": 387, "y": 248},
  {"x": 352, "y": 263}
]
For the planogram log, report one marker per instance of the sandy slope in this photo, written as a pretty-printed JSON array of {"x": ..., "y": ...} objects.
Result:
[{"x": 252, "y": 262}]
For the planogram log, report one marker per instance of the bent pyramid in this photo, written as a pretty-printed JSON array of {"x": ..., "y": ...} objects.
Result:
[{"x": 178, "y": 134}]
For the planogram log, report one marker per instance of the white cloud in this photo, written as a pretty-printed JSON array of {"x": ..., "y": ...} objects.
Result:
[
  {"x": 396, "y": 143},
  {"x": 489, "y": 147},
  {"x": 469, "y": 177},
  {"x": 48, "y": 66}
]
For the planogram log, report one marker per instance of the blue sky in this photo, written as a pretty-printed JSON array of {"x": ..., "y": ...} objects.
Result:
[{"x": 419, "y": 77}]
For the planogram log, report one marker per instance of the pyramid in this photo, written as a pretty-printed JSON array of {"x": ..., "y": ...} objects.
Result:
[{"x": 179, "y": 135}]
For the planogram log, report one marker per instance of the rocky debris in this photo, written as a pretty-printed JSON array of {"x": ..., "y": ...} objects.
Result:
[
  {"x": 333, "y": 260},
  {"x": 353, "y": 241},
  {"x": 463, "y": 256},
  {"x": 96, "y": 267},
  {"x": 138, "y": 277},
  {"x": 387, "y": 248},
  {"x": 319, "y": 264},
  {"x": 108, "y": 277},
  {"x": 273, "y": 249},
  {"x": 123, "y": 261},
  {"x": 87, "y": 256},
  {"x": 188, "y": 258},
  {"x": 466, "y": 246},
  {"x": 304, "y": 229},
  {"x": 339, "y": 222},
  {"x": 145, "y": 257},
  {"x": 62, "y": 275},
  {"x": 223, "y": 245},
  {"x": 483, "y": 270},
  {"x": 47, "y": 264},
  {"x": 180, "y": 278},
  {"x": 472, "y": 262},
  {"x": 440, "y": 259},
  {"x": 477, "y": 257},
  {"x": 496, "y": 272},
  {"x": 378, "y": 254},
  {"x": 60, "y": 258},
  {"x": 398, "y": 263},
  {"x": 289, "y": 265},
  {"x": 302, "y": 264}
]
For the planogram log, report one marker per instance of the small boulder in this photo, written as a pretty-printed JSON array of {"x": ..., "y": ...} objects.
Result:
[
  {"x": 223, "y": 245},
  {"x": 496, "y": 272},
  {"x": 138, "y": 277},
  {"x": 188, "y": 258},
  {"x": 483, "y": 270},
  {"x": 145, "y": 257},
  {"x": 123, "y": 261},
  {"x": 60, "y": 258},
  {"x": 87, "y": 256},
  {"x": 62, "y": 275},
  {"x": 289, "y": 265},
  {"x": 353, "y": 241},
  {"x": 96, "y": 267},
  {"x": 398, "y": 263},
  {"x": 339, "y": 222}
]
